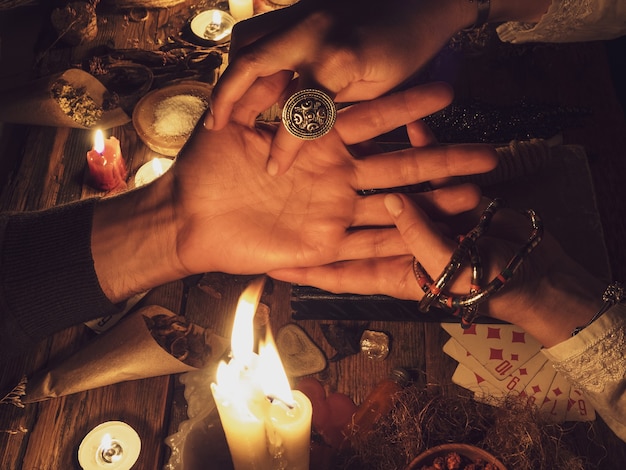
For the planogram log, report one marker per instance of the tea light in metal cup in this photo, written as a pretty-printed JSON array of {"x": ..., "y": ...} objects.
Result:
[
  {"x": 213, "y": 26},
  {"x": 152, "y": 170},
  {"x": 113, "y": 445}
]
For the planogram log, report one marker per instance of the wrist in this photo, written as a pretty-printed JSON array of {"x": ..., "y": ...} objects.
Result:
[
  {"x": 474, "y": 13},
  {"x": 133, "y": 240},
  {"x": 562, "y": 304},
  {"x": 529, "y": 11}
]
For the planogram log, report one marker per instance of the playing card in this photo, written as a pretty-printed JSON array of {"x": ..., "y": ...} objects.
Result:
[
  {"x": 515, "y": 382},
  {"x": 578, "y": 407},
  {"x": 556, "y": 400},
  {"x": 537, "y": 388},
  {"x": 501, "y": 349},
  {"x": 484, "y": 390}
]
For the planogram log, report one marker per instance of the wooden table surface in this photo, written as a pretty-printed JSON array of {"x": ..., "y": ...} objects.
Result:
[{"x": 42, "y": 167}]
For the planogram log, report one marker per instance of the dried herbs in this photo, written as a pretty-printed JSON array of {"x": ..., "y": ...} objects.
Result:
[
  {"x": 76, "y": 103},
  {"x": 185, "y": 341}
]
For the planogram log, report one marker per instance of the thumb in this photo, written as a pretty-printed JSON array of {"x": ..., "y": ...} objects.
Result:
[{"x": 419, "y": 232}]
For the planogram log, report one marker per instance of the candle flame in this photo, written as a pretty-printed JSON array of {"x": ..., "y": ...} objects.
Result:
[
  {"x": 271, "y": 373},
  {"x": 242, "y": 339},
  {"x": 216, "y": 18},
  {"x": 106, "y": 441},
  {"x": 157, "y": 167},
  {"x": 98, "y": 143},
  {"x": 237, "y": 379}
]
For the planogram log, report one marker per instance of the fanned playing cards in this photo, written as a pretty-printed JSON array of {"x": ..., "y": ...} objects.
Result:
[{"x": 500, "y": 360}]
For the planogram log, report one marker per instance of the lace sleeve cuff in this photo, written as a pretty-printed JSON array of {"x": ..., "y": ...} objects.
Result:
[
  {"x": 594, "y": 357},
  {"x": 571, "y": 21}
]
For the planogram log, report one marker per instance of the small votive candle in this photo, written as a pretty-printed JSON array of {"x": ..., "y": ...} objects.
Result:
[
  {"x": 214, "y": 26},
  {"x": 150, "y": 171},
  {"x": 241, "y": 9},
  {"x": 113, "y": 445},
  {"x": 107, "y": 169}
]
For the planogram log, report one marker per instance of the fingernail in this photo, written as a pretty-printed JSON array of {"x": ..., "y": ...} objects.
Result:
[
  {"x": 272, "y": 167},
  {"x": 209, "y": 120},
  {"x": 394, "y": 204}
]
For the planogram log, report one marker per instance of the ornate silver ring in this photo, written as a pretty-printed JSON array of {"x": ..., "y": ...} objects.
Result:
[{"x": 309, "y": 114}]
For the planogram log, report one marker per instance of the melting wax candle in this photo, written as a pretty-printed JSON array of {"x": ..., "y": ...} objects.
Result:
[
  {"x": 266, "y": 424},
  {"x": 107, "y": 169}
]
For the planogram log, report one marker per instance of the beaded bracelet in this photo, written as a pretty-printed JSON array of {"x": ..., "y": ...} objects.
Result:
[
  {"x": 613, "y": 294},
  {"x": 467, "y": 306},
  {"x": 465, "y": 244}
]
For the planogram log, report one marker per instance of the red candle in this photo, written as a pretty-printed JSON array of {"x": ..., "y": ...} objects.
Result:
[{"x": 107, "y": 169}]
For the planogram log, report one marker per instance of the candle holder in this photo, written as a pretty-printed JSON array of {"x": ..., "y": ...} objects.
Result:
[
  {"x": 113, "y": 445},
  {"x": 211, "y": 27},
  {"x": 152, "y": 170}
]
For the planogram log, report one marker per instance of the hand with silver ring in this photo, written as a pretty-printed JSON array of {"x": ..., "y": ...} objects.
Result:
[
  {"x": 309, "y": 114},
  {"x": 548, "y": 296}
]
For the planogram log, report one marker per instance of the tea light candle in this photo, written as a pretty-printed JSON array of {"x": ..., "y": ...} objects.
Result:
[
  {"x": 152, "y": 170},
  {"x": 214, "y": 26},
  {"x": 241, "y": 9},
  {"x": 113, "y": 445},
  {"x": 107, "y": 169},
  {"x": 266, "y": 424}
]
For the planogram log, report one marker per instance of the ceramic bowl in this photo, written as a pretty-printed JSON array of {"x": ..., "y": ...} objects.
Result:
[
  {"x": 144, "y": 115},
  {"x": 464, "y": 450}
]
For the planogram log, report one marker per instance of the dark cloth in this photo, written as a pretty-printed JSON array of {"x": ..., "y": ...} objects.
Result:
[{"x": 47, "y": 277}]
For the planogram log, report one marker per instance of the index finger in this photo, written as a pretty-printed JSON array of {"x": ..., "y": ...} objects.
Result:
[
  {"x": 261, "y": 46},
  {"x": 370, "y": 119}
]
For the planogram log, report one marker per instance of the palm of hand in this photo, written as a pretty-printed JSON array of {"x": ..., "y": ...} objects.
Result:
[{"x": 261, "y": 222}]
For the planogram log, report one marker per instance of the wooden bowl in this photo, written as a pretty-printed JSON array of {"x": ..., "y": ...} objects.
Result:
[
  {"x": 464, "y": 450},
  {"x": 144, "y": 115}
]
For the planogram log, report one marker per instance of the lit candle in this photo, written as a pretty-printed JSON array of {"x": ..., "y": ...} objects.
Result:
[
  {"x": 241, "y": 9},
  {"x": 214, "y": 26},
  {"x": 266, "y": 424},
  {"x": 113, "y": 445},
  {"x": 107, "y": 169},
  {"x": 152, "y": 170}
]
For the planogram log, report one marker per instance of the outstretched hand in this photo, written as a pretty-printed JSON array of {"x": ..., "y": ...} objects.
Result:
[
  {"x": 354, "y": 50},
  {"x": 236, "y": 218},
  {"x": 539, "y": 293},
  {"x": 217, "y": 209}
]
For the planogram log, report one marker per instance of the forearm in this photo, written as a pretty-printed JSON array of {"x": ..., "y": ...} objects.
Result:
[
  {"x": 133, "y": 240},
  {"x": 47, "y": 276}
]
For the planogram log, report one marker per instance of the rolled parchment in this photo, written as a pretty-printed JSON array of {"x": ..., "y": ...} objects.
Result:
[{"x": 129, "y": 351}]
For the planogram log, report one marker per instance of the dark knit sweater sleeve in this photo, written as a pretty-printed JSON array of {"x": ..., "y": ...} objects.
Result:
[{"x": 47, "y": 276}]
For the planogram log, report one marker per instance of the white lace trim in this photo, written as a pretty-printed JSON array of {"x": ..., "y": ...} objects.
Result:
[
  {"x": 568, "y": 21},
  {"x": 600, "y": 363}
]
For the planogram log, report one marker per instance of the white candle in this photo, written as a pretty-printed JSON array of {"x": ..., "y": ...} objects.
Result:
[
  {"x": 152, "y": 170},
  {"x": 212, "y": 25},
  {"x": 241, "y": 9},
  {"x": 267, "y": 425},
  {"x": 113, "y": 445}
]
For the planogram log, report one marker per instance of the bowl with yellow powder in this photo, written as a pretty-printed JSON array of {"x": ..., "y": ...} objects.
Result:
[{"x": 165, "y": 118}]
